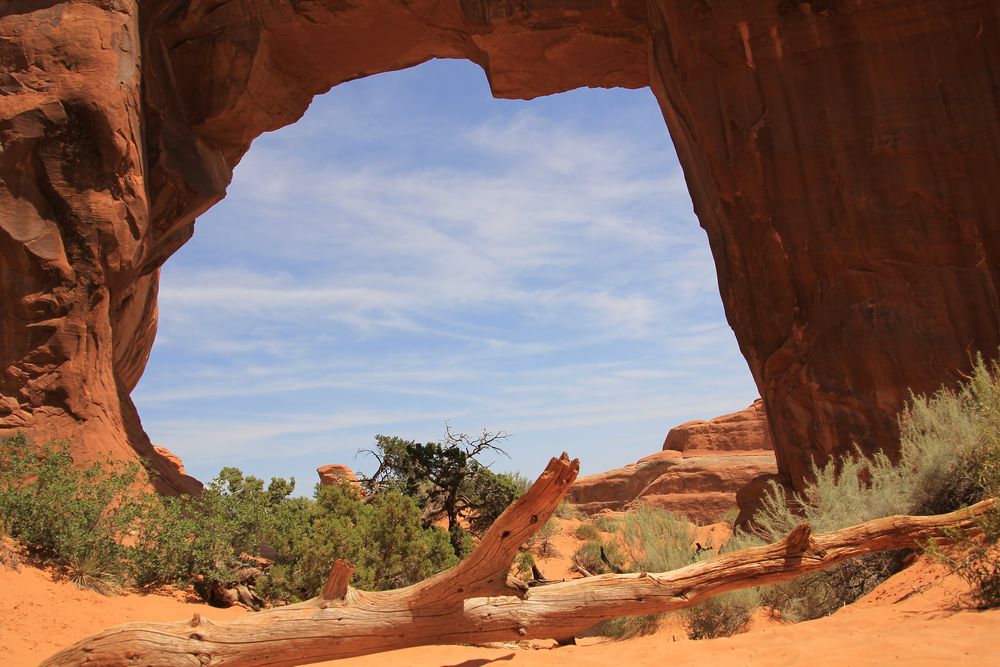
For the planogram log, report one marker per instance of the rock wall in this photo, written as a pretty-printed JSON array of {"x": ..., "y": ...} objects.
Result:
[
  {"x": 842, "y": 156},
  {"x": 743, "y": 431},
  {"x": 698, "y": 474}
]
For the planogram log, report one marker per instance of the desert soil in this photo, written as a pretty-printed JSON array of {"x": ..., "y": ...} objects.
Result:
[{"x": 921, "y": 616}]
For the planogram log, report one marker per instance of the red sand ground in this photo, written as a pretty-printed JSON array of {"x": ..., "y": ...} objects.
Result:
[{"x": 919, "y": 617}]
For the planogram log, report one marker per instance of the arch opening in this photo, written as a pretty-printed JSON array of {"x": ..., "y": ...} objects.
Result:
[
  {"x": 846, "y": 190},
  {"x": 413, "y": 251}
]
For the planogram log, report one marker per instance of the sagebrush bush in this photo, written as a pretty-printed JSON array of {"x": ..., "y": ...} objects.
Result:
[
  {"x": 606, "y": 523},
  {"x": 949, "y": 457},
  {"x": 722, "y": 615},
  {"x": 648, "y": 539},
  {"x": 586, "y": 531},
  {"x": 655, "y": 540},
  {"x": 975, "y": 559},
  {"x": 567, "y": 510},
  {"x": 588, "y": 556},
  {"x": 542, "y": 541}
]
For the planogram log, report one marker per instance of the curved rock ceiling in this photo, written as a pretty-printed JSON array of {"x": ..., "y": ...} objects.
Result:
[{"x": 843, "y": 157}]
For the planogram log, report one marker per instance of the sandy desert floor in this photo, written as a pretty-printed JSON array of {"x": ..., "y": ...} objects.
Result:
[{"x": 919, "y": 617}]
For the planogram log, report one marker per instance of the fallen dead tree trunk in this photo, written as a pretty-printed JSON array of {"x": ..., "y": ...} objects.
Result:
[{"x": 477, "y": 600}]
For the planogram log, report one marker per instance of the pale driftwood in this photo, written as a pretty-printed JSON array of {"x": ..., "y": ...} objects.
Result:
[{"x": 477, "y": 600}]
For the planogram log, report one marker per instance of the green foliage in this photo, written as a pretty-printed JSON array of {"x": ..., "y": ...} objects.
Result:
[
  {"x": 656, "y": 540},
  {"x": 977, "y": 418},
  {"x": 491, "y": 494},
  {"x": 207, "y": 540},
  {"x": 69, "y": 517},
  {"x": 722, "y": 615},
  {"x": 588, "y": 556},
  {"x": 587, "y": 531},
  {"x": 384, "y": 539},
  {"x": 523, "y": 564},
  {"x": 541, "y": 541},
  {"x": 626, "y": 627},
  {"x": 447, "y": 479},
  {"x": 94, "y": 525},
  {"x": 607, "y": 523},
  {"x": 653, "y": 540},
  {"x": 566, "y": 510},
  {"x": 949, "y": 457}
]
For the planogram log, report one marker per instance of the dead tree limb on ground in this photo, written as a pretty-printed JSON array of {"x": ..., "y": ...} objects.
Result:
[{"x": 478, "y": 601}]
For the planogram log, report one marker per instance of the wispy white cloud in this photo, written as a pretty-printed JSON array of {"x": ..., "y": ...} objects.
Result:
[{"x": 538, "y": 276}]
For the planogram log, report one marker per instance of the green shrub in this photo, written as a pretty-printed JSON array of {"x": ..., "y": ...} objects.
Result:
[
  {"x": 722, "y": 615},
  {"x": 949, "y": 457},
  {"x": 384, "y": 539},
  {"x": 447, "y": 479},
  {"x": 523, "y": 564},
  {"x": 626, "y": 627},
  {"x": 976, "y": 416},
  {"x": 100, "y": 530},
  {"x": 660, "y": 541},
  {"x": 208, "y": 540},
  {"x": 656, "y": 540},
  {"x": 491, "y": 494},
  {"x": 606, "y": 523},
  {"x": 588, "y": 556},
  {"x": 586, "y": 531},
  {"x": 542, "y": 542},
  {"x": 567, "y": 510},
  {"x": 69, "y": 517}
]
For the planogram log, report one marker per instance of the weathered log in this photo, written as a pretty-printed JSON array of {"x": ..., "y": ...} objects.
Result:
[{"x": 478, "y": 601}]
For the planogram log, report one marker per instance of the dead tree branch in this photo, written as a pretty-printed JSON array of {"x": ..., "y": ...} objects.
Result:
[{"x": 478, "y": 601}]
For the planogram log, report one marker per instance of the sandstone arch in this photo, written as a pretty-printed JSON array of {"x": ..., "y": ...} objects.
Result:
[{"x": 842, "y": 156}]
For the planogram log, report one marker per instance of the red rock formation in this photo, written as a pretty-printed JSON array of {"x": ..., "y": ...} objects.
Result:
[
  {"x": 698, "y": 473},
  {"x": 841, "y": 154},
  {"x": 186, "y": 483},
  {"x": 335, "y": 473},
  {"x": 745, "y": 431},
  {"x": 843, "y": 157}
]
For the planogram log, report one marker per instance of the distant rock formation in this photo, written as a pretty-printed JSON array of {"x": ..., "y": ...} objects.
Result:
[
  {"x": 743, "y": 431},
  {"x": 698, "y": 473},
  {"x": 335, "y": 473}
]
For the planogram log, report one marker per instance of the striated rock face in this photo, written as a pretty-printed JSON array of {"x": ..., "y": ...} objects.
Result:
[
  {"x": 700, "y": 482},
  {"x": 335, "y": 473},
  {"x": 744, "y": 431},
  {"x": 842, "y": 156}
]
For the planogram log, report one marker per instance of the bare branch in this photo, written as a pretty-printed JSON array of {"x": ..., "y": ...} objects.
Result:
[{"x": 477, "y": 600}]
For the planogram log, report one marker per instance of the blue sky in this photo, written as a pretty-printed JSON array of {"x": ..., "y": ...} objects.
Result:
[{"x": 413, "y": 253}]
